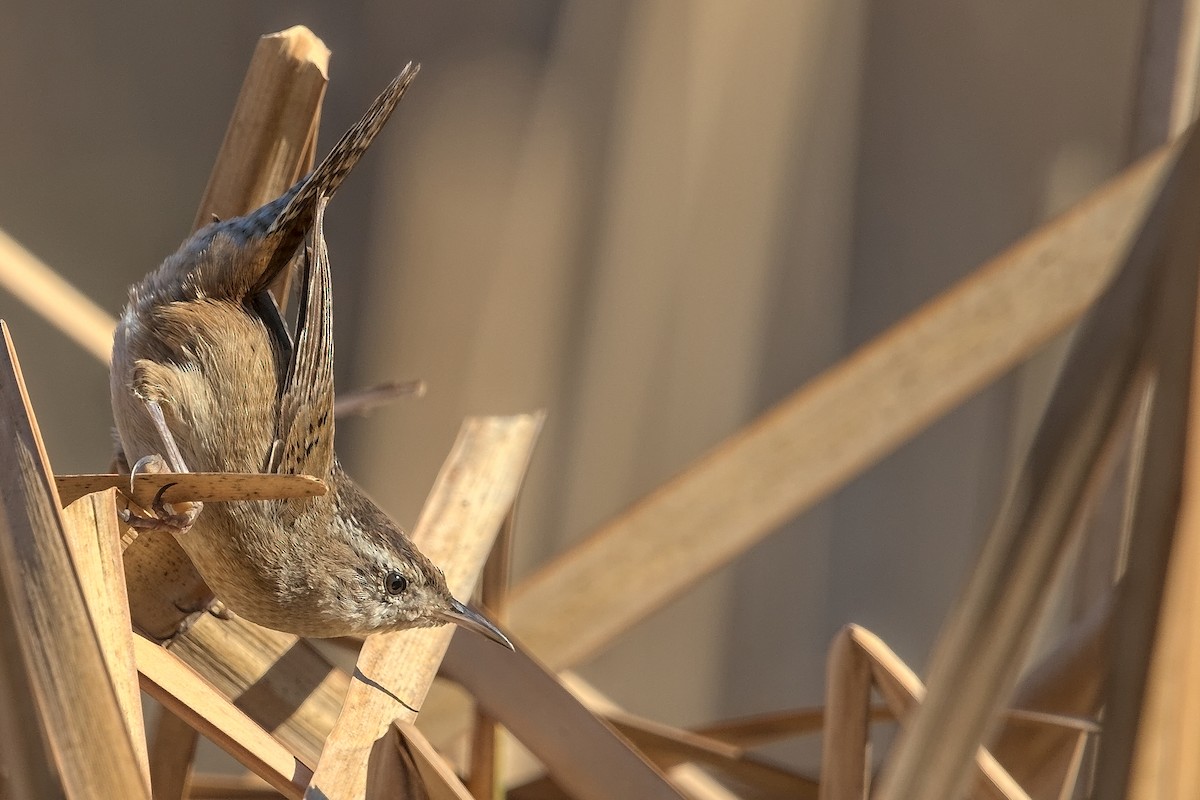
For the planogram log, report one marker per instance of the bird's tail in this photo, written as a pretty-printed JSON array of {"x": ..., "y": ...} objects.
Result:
[{"x": 289, "y": 227}]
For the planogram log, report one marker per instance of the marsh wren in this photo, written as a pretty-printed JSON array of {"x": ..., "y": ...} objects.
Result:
[{"x": 206, "y": 376}]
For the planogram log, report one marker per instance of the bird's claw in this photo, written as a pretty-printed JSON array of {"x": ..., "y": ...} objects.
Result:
[{"x": 176, "y": 518}]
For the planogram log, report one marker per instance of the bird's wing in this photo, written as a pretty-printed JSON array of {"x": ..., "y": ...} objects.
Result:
[
  {"x": 263, "y": 304},
  {"x": 305, "y": 426}
]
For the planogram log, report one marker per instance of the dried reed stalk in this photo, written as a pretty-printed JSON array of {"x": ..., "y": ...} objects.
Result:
[
  {"x": 903, "y": 692},
  {"x": 1067, "y": 684},
  {"x": 845, "y": 773},
  {"x": 53, "y": 659},
  {"x": 223, "y": 787},
  {"x": 1150, "y": 736},
  {"x": 282, "y": 682},
  {"x": 1168, "y": 71},
  {"x": 58, "y": 302},
  {"x": 666, "y": 746},
  {"x": 760, "y": 729}
]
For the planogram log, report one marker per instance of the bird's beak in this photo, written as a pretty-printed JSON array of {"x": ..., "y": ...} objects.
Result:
[{"x": 472, "y": 620}]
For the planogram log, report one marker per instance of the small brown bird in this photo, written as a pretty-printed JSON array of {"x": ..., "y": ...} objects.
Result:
[{"x": 205, "y": 376}]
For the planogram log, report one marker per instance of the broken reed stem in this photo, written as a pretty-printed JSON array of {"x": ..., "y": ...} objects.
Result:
[
  {"x": 271, "y": 138},
  {"x": 271, "y": 141}
]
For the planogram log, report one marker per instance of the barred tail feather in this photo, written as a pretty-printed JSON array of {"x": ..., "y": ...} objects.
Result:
[{"x": 288, "y": 229}]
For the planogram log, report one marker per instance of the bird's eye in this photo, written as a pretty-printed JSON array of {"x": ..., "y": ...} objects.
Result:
[{"x": 395, "y": 583}]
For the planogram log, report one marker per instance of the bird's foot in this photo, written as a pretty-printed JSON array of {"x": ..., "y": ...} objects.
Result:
[
  {"x": 193, "y": 612},
  {"x": 176, "y": 518}
]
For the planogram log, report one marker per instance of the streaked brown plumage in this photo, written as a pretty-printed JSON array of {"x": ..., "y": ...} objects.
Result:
[{"x": 201, "y": 346}]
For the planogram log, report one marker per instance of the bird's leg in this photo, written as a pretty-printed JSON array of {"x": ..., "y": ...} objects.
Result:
[
  {"x": 174, "y": 457},
  {"x": 174, "y": 518}
]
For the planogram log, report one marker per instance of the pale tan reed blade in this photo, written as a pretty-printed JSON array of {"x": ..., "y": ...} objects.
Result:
[
  {"x": 1166, "y": 738},
  {"x": 834, "y": 427},
  {"x": 1151, "y": 737},
  {"x": 38, "y": 286},
  {"x": 437, "y": 777},
  {"x": 270, "y": 140},
  {"x": 172, "y": 751},
  {"x": 689, "y": 779},
  {"x": 582, "y": 754},
  {"x": 188, "y": 696},
  {"x": 473, "y": 493},
  {"x": 1056, "y": 694},
  {"x": 94, "y": 536},
  {"x": 481, "y": 770},
  {"x": 54, "y": 666},
  {"x": 538, "y": 789},
  {"x": 25, "y": 762},
  {"x": 208, "y": 487},
  {"x": 981, "y": 649}
]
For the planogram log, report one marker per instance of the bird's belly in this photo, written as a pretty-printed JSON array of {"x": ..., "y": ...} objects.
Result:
[{"x": 252, "y": 570}]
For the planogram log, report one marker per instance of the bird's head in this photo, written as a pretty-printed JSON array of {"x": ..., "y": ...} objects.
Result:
[{"x": 388, "y": 584}]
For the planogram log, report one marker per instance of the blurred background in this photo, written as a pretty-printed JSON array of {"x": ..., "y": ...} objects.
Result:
[{"x": 653, "y": 220}]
